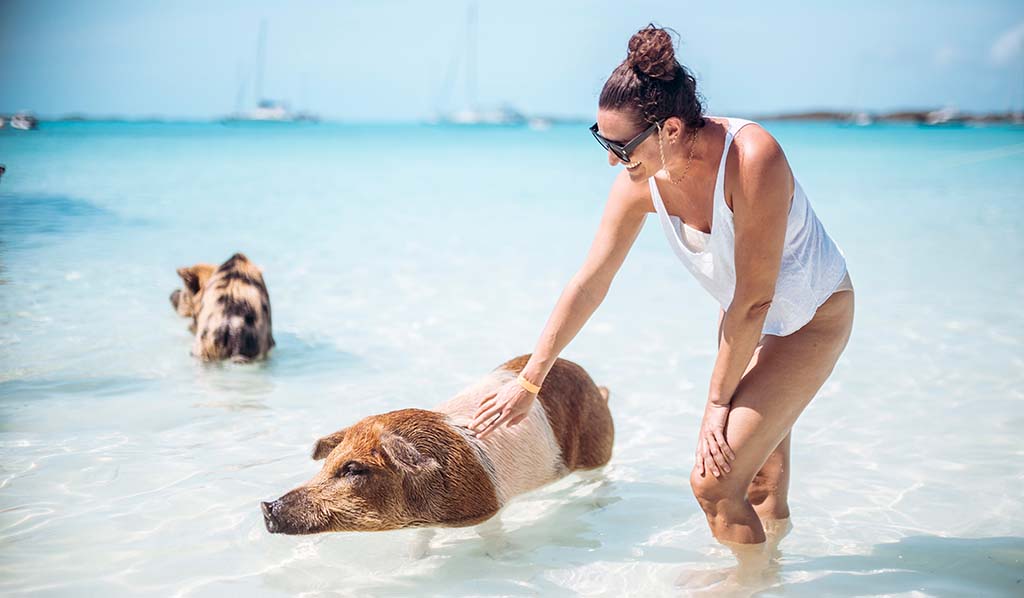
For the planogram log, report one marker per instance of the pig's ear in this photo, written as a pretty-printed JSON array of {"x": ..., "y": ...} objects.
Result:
[
  {"x": 325, "y": 445},
  {"x": 190, "y": 278},
  {"x": 405, "y": 455}
]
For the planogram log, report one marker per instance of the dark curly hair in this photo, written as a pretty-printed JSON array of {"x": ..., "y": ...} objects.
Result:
[{"x": 652, "y": 84}]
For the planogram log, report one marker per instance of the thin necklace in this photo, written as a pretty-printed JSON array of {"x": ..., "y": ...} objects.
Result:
[{"x": 689, "y": 158}]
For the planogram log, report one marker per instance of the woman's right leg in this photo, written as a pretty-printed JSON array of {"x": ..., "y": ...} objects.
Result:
[
  {"x": 770, "y": 397},
  {"x": 769, "y": 491}
]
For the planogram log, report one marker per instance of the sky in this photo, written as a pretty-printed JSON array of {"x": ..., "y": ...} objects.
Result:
[{"x": 405, "y": 60}]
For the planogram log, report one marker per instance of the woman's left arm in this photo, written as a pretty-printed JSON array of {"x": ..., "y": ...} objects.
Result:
[{"x": 760, "y": 205}]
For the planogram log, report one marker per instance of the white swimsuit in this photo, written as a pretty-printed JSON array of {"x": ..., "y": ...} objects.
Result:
[{"x": 813, "y": 267}]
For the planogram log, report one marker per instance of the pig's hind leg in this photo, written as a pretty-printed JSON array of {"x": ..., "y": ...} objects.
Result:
[
  {"x": 493, "y": 535},
  {"x": 419, "y": 547}
]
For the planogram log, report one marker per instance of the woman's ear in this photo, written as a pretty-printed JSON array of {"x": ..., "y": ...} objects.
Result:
[{"x": 672, "y": 129}]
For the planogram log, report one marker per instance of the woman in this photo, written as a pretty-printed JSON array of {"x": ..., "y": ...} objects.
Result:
[{"x": 739, "y": 221}]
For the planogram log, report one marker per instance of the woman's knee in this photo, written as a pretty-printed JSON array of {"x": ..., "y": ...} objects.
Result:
[{"x": 712, "y": 492}]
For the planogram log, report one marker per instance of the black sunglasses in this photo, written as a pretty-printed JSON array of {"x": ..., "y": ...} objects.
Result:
[{"x": 622, "y": 151}]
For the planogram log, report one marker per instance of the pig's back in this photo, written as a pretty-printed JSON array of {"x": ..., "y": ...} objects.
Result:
[
  {"x": 519, "y": 459},
  {"x": 568, "y": 428},
  {"x": 577, "y": 411}
]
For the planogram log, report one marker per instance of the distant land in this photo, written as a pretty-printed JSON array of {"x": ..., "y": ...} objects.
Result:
[
  {"x": 942, "y": 116},
  {"x": 928, "y": 117}
]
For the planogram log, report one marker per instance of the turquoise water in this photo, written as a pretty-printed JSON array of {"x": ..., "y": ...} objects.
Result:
[{"x": 403, "y": 262}]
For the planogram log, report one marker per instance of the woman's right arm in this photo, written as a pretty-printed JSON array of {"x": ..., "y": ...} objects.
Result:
[{"x": 623, "y": 218}]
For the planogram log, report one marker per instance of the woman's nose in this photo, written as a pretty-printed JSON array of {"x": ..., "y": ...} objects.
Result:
[{"x": 612, "y": 159}]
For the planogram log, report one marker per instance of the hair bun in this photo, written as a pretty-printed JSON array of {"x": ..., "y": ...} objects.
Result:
[{"x": 651, "y": 53}]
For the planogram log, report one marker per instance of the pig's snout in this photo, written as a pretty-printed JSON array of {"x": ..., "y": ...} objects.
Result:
[
  {"x": 269, "y": 518},
  {"x": 175, "y": 298}
]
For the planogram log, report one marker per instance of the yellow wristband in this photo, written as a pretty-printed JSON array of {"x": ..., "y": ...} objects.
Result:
[{"x": 530, "y": 386}]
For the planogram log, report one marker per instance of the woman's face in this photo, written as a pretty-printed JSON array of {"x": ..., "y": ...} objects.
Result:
[{"x": 621, "y": 126}]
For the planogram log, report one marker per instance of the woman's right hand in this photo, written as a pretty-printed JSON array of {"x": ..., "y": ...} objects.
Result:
[
  {"x": 713, "y": 451},
  {"x": 509, "y": 406}
]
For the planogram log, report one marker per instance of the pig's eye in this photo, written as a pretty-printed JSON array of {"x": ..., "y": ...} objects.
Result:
[{"x": 352, "y": 469}]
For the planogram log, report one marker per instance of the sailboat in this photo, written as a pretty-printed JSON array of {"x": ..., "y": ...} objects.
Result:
[
  {"x": 472, "y": 114},
  {"x": 266, "y": 110}
]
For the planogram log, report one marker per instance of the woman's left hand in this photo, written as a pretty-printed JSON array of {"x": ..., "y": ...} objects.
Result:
[{"x": 713, "y": 453}]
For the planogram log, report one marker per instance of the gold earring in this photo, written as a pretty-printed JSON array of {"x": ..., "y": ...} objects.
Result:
[{"x": 661, "y": 151}]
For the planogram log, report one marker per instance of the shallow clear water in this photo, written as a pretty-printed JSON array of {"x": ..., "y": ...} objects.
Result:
[{"x": 403, "y": 262}]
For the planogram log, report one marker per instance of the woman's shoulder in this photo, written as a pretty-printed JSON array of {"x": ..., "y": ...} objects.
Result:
[
  {"x": 756, "y": 164},
  {"x": 751, "y": 141}
]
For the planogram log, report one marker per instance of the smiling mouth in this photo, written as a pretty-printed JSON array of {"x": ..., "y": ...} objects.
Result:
[{"x": 631, "y": 165}]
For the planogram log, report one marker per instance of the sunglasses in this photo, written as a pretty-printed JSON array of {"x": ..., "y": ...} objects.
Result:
[{"x": 623, "y": 150}]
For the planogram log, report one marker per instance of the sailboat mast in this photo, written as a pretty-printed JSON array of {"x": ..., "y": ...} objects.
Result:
[
  {"x": 471, "y": 58},
  {"x": 261, "y": 51}
]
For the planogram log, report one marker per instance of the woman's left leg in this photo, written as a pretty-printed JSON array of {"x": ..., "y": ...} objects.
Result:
[
  {"x": 768, "y": 493},
  {"x": 788, "y": 373}
]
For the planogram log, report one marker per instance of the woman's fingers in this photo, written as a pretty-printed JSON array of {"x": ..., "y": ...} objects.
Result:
[
  {"x": 709, "y": 464},
  {"x": 700, "y": 458},
  {"x": 503, "y": 408},
  {"x": 485, "y": 415},
  {"x": 485, "y": 404},
  {"x": 484, "y": 431},
  {"x": 494, "y": 425},
  {"x": 485, "y": 420},
  {"x": 509, "y": 417},
  {"x": 709, "y": 457},
  {"x": 705, "y": 454},
  {"x": 724, "y": 446},
  {"x": 716, "y": 454},
  {"x": 487, "y": 426}
]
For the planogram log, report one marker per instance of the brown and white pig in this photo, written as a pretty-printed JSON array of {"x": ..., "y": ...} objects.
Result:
[
  {"x": 417, "y": 468},
  {"x": 229, "y": 307}
]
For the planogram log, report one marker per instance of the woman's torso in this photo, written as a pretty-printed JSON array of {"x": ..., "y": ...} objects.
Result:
[{"x": 697, "y": 219}]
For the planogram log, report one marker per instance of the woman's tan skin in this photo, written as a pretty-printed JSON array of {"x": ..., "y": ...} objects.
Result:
[{"x": 758, "y": 386}]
